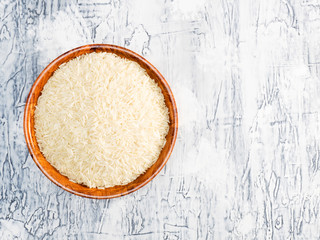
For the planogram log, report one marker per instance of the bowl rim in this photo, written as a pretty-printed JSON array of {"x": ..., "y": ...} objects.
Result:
[{"x": 31, "y": 102}]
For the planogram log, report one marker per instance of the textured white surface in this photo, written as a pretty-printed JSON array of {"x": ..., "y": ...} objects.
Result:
[{"x": 245, "y": 75}]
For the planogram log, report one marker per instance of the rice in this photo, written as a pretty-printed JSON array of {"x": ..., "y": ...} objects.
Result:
[{"x": 101, "y": 120}]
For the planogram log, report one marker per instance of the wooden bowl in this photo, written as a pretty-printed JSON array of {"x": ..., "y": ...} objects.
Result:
[{"x": 61, "y": 180}]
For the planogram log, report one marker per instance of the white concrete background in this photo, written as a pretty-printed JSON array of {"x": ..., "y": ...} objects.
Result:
[{"x": 245, "y": 75}]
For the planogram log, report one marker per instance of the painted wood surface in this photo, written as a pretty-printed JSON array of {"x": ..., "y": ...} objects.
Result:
[{"x": 245, "y": 75}]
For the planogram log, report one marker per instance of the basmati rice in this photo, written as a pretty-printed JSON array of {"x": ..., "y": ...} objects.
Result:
[{"x": 101, "y": 120}]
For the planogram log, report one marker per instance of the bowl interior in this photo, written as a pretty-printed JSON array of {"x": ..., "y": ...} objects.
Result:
[{"x": 63, "y": 181}]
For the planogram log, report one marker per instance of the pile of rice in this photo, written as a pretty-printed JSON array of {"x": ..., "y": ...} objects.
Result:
[{"x": 101, "y": 120}]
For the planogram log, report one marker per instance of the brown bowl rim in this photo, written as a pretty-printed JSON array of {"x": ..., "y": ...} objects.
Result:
[{"x": 50, "y": 172}]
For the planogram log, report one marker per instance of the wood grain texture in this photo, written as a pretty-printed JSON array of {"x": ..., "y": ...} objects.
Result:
[
  {"x": 61, "y": 180},
  {"x": 245, "y": 76}
]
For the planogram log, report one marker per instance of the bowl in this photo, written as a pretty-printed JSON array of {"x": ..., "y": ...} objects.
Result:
[{"x": 61, "y": 180}]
